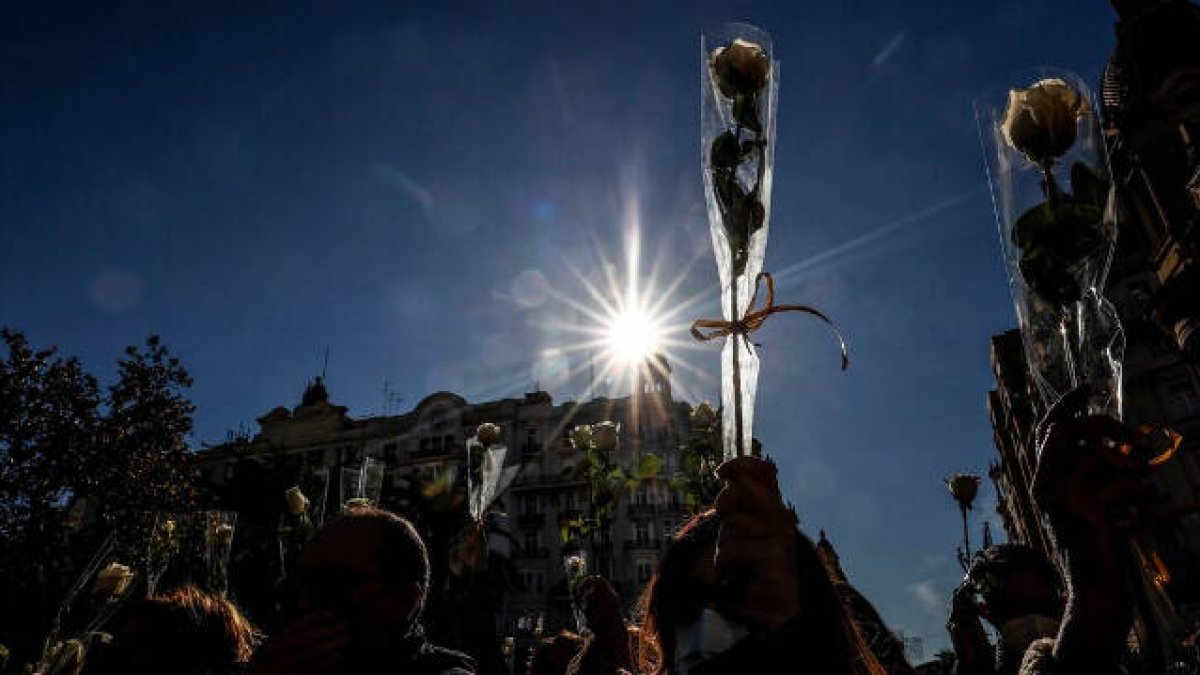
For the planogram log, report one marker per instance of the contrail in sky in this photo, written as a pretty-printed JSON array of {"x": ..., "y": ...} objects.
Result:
[
  {"x": 889, "y": 49},
  {"x": 401, "y": 181},
  {"x": 862, "y": 241}
]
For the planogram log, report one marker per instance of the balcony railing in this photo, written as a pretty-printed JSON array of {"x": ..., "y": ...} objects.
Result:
[{"x": 535, "y": 553}]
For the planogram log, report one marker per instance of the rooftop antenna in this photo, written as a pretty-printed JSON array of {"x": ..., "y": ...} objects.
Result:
[
  {"x": 591, "y": 374},
  {"x": 391, "y": 399},
  {"x": 325, "y": 365}
]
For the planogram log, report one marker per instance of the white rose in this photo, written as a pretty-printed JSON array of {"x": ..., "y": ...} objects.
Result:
[
  {"x": 356, "y": 504},
  {"x": 581, "y": 437},
  {"x": 741, "y": 68},
  {"x": 112, "y": 580},
  {"x": 296, "y": 501},
  {"x": 576, "y": 566},
  {"x": 703, "y": 415},
  {"x": 223, "y": 533},
  {"x": 605, "y": 435},
  {"x": 488, "y": 434},
  {"x": 1040, "y": 122}
]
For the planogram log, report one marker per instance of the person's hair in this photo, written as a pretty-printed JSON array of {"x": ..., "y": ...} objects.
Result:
[
  {"x": 833, "y": 643},
  {"x": 185, "y": 630},
  {"x": 405, "y": 558},
  {"x": 553, "y": 655}
]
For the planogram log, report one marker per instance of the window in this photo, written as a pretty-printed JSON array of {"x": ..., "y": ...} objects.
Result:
[
  {"x": 644, "y": 571},
  {"x": 529, "y": 504},
  {"x": 641, "y": 533},
  {"x": 531, "y": 543},
  {"x": 424, "y": 446},
  {"x": 448, "y": 443},
  {"x": 669, "y": 529}
]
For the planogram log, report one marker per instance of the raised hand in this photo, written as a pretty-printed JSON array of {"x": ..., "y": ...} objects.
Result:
[{"x": 756, "y": 547}]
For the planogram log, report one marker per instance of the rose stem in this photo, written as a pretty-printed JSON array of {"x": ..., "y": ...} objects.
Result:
[
  {"x": 737, "y": 368},
  {"x": 966, "y": 532},
  {"x": 1052, "y": 192}
]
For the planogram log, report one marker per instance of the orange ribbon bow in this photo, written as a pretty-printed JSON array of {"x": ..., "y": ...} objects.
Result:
[{"x": 754, "y": 319}]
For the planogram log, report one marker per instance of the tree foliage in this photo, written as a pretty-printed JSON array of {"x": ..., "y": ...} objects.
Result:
[{"x": 74, "y": 461}]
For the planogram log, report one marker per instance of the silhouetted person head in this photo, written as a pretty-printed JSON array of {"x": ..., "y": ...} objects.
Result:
[
  {"x": 183, "y": 631},
  {"x": 370, "y": 568},
  {"x": 552, "y": 655},
  {"x": 682, "y": 609},
  {"x": 1012, "y": 581},
  {"x": 607, "y": 650}
]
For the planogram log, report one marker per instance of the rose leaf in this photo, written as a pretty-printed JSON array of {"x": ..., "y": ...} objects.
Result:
[{"x": 725, "y": 153}]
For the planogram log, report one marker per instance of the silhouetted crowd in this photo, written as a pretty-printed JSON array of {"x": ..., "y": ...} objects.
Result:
[{"x": 740, "y": 589}]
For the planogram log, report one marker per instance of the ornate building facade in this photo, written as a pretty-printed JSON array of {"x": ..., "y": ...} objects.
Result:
[{"x": 317, "y": 444}]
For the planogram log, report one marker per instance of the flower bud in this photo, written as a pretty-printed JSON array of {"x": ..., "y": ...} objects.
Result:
[
  {"x": 963, "y": 487},
  {"x": 488, "y": 434},
  {"x": 296, "y": 501},
  {"x": 576, "y": 566},
  {"x": 1041, "y": 122},
  {"x": 605, "y": 436},
  {"x": 112, "y": 581},
  {"x": 740, "y": 68},
  {"x": 703, "y": 415}
]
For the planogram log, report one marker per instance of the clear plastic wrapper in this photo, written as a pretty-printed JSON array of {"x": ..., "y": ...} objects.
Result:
[
  {"x": 362, "y": 485},
  {"x": 739, "y": 92},
  {"x": 1050, "y": 185}
]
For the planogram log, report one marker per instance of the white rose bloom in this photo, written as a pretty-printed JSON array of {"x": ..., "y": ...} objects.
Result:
[
  {"x": 112, "y": 580},
  {"x": 1041, "y": 122},
  {"x": 488, "y": 434},
  {"x": 296, "y": 501},
  {"x": 605, "y": 436},
  {"x": 740, "y": 68},
  {"x": 704, "y": 415}
]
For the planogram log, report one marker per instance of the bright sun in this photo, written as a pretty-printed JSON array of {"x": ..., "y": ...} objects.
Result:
[{"x": 632, "y": 336}]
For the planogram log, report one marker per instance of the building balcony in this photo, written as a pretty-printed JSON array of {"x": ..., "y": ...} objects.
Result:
[
  {"x": 652, "y": 544},
  {"x": 531, "y": 521}
]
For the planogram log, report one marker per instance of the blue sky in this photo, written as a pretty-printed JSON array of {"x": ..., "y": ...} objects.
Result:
[{"x": 409, "y": 185}]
